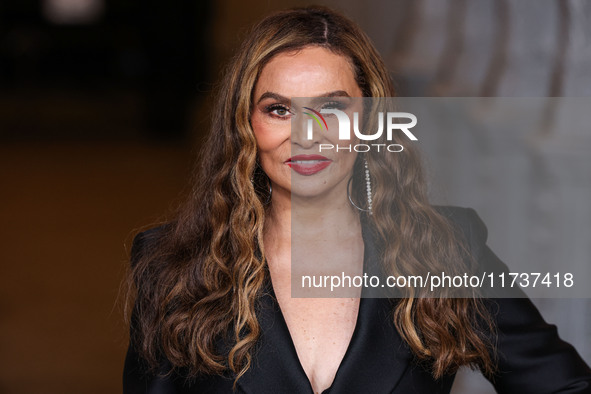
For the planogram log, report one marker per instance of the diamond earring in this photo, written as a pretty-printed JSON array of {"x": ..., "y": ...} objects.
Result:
[{"x": 368, "y": 188}]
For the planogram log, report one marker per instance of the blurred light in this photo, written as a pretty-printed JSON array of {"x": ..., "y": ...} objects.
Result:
[{"x": 73, "y": 12}]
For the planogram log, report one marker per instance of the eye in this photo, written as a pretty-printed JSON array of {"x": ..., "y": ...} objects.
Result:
[
  {"x": 334, "y": 105},
  {"x": 278, "y": 110}
]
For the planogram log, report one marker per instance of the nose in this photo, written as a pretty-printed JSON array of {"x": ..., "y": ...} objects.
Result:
[{"x": 305, "y": 132}]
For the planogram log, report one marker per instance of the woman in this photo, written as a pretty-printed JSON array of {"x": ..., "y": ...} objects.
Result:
[{"x": 213, "y": 309}]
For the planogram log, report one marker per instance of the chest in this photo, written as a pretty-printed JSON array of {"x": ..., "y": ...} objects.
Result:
[{"x": 321, "y": 330}]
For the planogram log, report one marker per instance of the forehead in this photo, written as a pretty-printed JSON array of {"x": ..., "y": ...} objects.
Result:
[{"x": 309, "y": 72}]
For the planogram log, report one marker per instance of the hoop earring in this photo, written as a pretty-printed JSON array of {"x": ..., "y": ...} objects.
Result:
[{"x": 368, "y": 189}]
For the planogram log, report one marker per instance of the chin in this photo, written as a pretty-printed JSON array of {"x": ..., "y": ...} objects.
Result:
[{"x": 309, "y": 190}]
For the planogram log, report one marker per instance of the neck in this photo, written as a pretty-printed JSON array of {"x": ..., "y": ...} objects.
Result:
[
  {"x": 318, "y": 236},
  {"x": 329, "y": 216}
]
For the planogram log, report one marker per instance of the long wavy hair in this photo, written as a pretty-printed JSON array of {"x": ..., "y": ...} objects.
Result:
[{"x": 198, "y": 279}]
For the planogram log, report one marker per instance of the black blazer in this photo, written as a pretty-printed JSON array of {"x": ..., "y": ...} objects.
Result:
[{"x": 532, "y": 358}]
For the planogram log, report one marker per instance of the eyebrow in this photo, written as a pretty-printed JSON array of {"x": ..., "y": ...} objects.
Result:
[{"x": 285, "y": 100}]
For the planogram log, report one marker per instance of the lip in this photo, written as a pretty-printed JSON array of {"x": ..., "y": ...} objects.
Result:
[{"x": 308, "y": 164}]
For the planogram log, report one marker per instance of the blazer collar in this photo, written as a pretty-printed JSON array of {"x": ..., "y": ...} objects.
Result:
[{"x": 377, "y": 357}]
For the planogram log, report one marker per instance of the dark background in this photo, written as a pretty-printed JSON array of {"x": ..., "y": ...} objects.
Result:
[{"x": 103, "y": 104}]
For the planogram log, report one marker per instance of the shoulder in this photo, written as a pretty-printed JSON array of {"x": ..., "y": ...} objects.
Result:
[
  {"x": 467, "y": 223},
  {"x": 531, "y": 356},
  {"x": 472, "y": 234},
  {"x": 457, "y": 214}
]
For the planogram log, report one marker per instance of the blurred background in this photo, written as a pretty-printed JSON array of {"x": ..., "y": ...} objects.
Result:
[{"x": 104, "y": 103}]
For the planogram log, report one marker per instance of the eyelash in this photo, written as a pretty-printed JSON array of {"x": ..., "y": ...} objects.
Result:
[
  {"x": 274, "y": 107},
  {"x": 334, "y": 105}
]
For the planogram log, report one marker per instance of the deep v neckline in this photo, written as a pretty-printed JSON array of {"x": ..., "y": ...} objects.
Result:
[
  {"x": 291, "y": 345},
  {"x": 369, "y": 265},
  {"x": 375, "y": 357}
]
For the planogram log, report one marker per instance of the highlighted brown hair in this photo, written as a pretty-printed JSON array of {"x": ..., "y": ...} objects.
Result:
[{"x": 198, "y": 280}]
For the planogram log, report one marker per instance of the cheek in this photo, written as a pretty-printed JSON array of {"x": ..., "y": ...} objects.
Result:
[
  {"x": 332, "y": 132},
  {"x": 269, "y": 135},
  {"x": 349, "y": 161}
]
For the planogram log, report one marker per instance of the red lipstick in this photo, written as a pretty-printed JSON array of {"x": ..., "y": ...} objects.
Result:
[{"x": 308, "y": 164}]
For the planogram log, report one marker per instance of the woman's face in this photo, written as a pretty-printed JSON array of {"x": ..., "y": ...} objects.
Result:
[{"x": 293, "y": 162}]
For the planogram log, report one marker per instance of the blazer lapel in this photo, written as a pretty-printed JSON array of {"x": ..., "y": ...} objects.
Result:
[
  {"x": 377, "y": 356},
  {"x": 275, "y": 367},
  {"x": 375, "y": 360}
]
